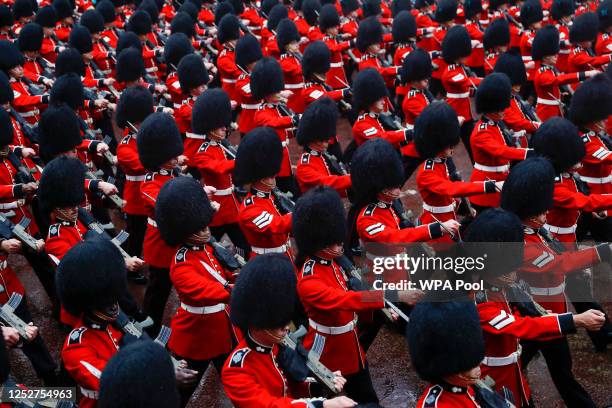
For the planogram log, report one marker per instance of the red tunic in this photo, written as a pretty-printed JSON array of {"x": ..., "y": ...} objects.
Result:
[
  {"x": 516, "y": 120},
  {"x": 525, "y": 46},
  {"x": 546, "y": 82},
  {"x": 412, "y": 105},
  {"x": 490, "y": 61},
  {"x": 228, "y": 71},
  {"x": 476, "y": 32},
  {"x": 328, "y": 302},
  {"x": 368, "y": 127},
  {"x": 174, "y": 89},
  {"x": 312, "y": 170},
  {"x": 565, "y": 49},
  {"x": 603, "y": 44},
  {"x": 9, "y": 203},
  {"x": 596, "y": 168},
  {"x": 336, "y": 76},
  {"x": 459, "y": 87},
  {"x": 269, "y": 115},
  {"x": 438, "y": 396},
  {"x": 201, "y": 328},
  {"x": 9, "y": 280},
  {"x": 156, "y": 252},
  {"x": 128, "y": 160},
  {"x": 28, "y": 105},
  {"x": 248, "y": 104},
  {"x": 314, "y": 90},
  {"x": 492, "y": 157},
  {"x": 294, "y": 81}
]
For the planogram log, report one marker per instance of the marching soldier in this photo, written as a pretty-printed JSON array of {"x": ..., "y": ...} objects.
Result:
[
  {"x": 141, "y": 25},
  {"x": 404, "y": 36},
  {"x": 265, "y": 225},
  {"x": 257, "y": 374},
  {"x": 416, "y": 72},
  {"x": 228, "y": 34},
  {"x": 23, "y": 11},
  {"x": 473, "y": 11},
  {"x": 177, "y": 46},
  {"x": 35, "y": 68},
  {"x": 446, "y": 348},
  {"x": 316, "y": 64},
  {"x": 500, "y": 234},
  {"x": 47, "y": 19},
  {"x": 201, "y": 330},
  {"x": 445, "y": 14},
  {"x": 135, "y": 104},
  {"x": 436, "y": 134},
  {"x": 267, "y": 84},
  {"x": 317, "y": 166},
  {"x": 160, "y": 150},
  {"x": 288, "y": 40},
  {"x": 101, "y": 55},
  {"x": 148, "y": 370},
  {"x": 212, "y": 114},
  {"x": 603, "y": 45},
  {"x": 109, "y": 36},
  {"x": 496, "y": 40},
  {"x": 329, "y": 23},
  {"x": 80, "y": 38},
  {"x": 582, "y": 35},
  {"x": 492, "y": 145},
  {"x": 528, "y": 193},
  {"x": 248, "y": 52},
  {"x": 531, "y": 18},
  {"x": 562, "y": 12},
  {"x": 93, "y": 297},
  {"x": 369, "y": 39},
  {"x": 65, "y": 10}
]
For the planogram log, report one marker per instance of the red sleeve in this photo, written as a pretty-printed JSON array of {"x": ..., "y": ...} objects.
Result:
[
  {"x": 27, "y": 100},
  {"x": 228, "y": 67},
  {"x": 290, "y": 67},
  {"x": 127, "y": 157},
  {"x": 487, "y": 141},
  {"x": 565, "y": 198},
  {"x": 371, "y": 230},
  {"x": 434, "y": 182},
  {"x": 314, "y": 291},
  {"x": 83, "y": 364},
  {"x": 275, "y": 224},
  {"x": 266, "y": 118},
  {"x": 202, "y": 160},
  {"x": 363, "y": 131},
  {"x": 308, "y": 175},
  {"x": 597, "y": 154},
  {"x": 197, "y": 286},
  {"x": 514, "y": 118},
  {"x": 565, "y": 262},
  {"x": 585, "y": 61}
]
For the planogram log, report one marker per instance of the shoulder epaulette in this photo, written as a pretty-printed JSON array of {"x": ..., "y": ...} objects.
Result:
[
  {"x": 369, "y": 210},
  {"x": 308, "y": 268},
  {"x": 248, "y": 201},
  {"x": 237, "y": 359},
  {"x": 305, "y": 158},
  {"x": 181, "y": 254},
  {"x": 76, "y": 335},
  {"x": 431, "y": 399},
  {"x": 149, "y": 176},
  {"x": 204, "y": 147},
  {"x": 54, "y": 230},
  {"x": 429, "y": 164}
]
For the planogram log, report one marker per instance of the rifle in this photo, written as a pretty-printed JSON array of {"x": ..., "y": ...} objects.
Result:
[
  {"x": 90, "y": 134},
  {"x": 7, "y": 314},
  {"x": 28, "y": 131},
  {"x": 324, "y": 374},
  {"x": 99, "y": 75},
  {"x": 527, "y": 109},
  {"x": 225, "y": 257},
  {"x": 509, "y": 135},
  {"x": 335, "y": 166},
  {"x": 488, "y": 398},
  {"x": 454, "y": 176},
  {"x": 283, "y": 201},
  {"x": 9, "y": 230},
  {"x": 113, "y": 197},
  {"x": 24, "y": 173},
  {"x": 34, "y": 89},
  {"x": 46, "y": 66},
  {"x": 519, "y": 296},
  {"x": 94, "y": 226}
]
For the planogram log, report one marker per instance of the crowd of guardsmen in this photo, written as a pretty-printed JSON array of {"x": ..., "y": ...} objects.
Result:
[{"x": 117, "y": 114}]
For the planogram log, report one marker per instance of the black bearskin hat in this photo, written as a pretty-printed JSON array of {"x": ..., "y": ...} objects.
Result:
[
  {"x": 6, "y": 92},
  {"x": 93, "y": 20},
  {"x": 23, "y": 8},
  {"x": 311, "y": 10},
  {"x": 69, "y": 60},
  {"x": 584, "y": 28},
  {"x": 528, "y": 190},
  {"x": 223, "y": 8},
  {"x": 604, "y": 13},
  {"x": 59, "y": 131},
  {"x": 404, "y": 27},
  {"x": 318, "y": 220},
  {"x": 286, "y": 33},
  {"x": 135, "y": 104},
  {"x": 139, "y": 23},
  {"x": 456, "y": 44},
  {"x": 6, "y": 16},
  {"x": 260, "y": 154},
  {"x": 103, "y": 284},
  {"x": 266, "y": 78},
  {"x": 558, "y": 140},
  {"x": 562, "y": 8},
  {"x": 368, "y": 87},
  {"x": 64, "y": 8},
  {"x": 419, "y": 4},
  {"x": 397, "y": 6},
  {"x": 318, "y": 123},
  {"x": 493, "y": 93},
  {"x": 371, "y": 8},
  {"x": 107, "y": 10},
  {"x": 472, "y": 8},
  {"x": 329, "y": 17},
  {"x": 436, "y": 129},
  {"x": 192, "y": 73},
  {"x": 238, "y": 6},
  {"x": 444, "y": 337},
  {"x": 268, "y": 5},
  {"x": 277, "y": 14},
  {"x": 229, "y": 29},
  {"x": 496, "y": 235},
  {"x": 68, "y": 89},
  {"x": 6, "y": 129},
  {"x": 416, "y": 66},
  {"x": 376, "y": 165},
  {"x": 592, "y": 101},
  {"x": 212, "y": 110},
  {"x": 182, "y": 208},
  {"x": 190, "y": 9},
  {"x": 512, "y": 65},
  {"x": 183, "y": 23},
  {"x": 11, "y": 56},
  {"x": 62, "y": 184},
  {"x": 265, "y": 295},
  {"x": 545, "y": 43},
  {"x": 177, "y": 46},
  {"x": 531, "y": 12},
  {"x": 147, "y": 368},
  {"x": 150, "y": 6},
  {"x": 368, "y": 33},
  {"x": 80, "y": 38},
  {"x": 126, "y": 40},
  {"x": 348, "y": 6},
  {"x": 158, "y": 140},
  {"x": 130, "y": 66},
  {"x": 46, "y": 17},
  {"x": 248, "y": 51},
  {"x": 446, "y": 10},
  {"x": 316, "y": 59},
  {"x": 497, "y": 34},
  {"x": 30, "y": 37}
]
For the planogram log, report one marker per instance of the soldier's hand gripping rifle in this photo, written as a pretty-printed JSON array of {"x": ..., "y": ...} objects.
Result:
[
  {"x": 113, "y": 197},
  {"x": 24, "y": 173},
  {"x": 283, "y": 201},
  {"x": 488, "y": 398},
  {"x": 8, "y": 316},
  {"x": 10, "y": 230},
  {"x": 323, "y": 374}
]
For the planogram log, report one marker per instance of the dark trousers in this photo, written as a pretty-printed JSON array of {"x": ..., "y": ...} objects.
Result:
[
  {"x": 559, "y": 361},
  {"x": 39, "y": 261},
  {"x": 466, "y": 132},
  {"x": 36, "y": 350},
  {"x": 156, "y": 297},
  {"x": 359, "y": 387},
  {"x": 136, "y": 226},
  {"x": 410, "y": 165},
  {"x": 200, "y": 366},
  {"x": 235, "y": 234}
]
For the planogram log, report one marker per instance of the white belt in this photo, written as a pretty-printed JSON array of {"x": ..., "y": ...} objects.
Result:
[
  {"x": 503, "y": 361},
  {"x": 151, "y": 222},
  {"x": 439, "y": 209},
  {"x": 224, "y": 192},
  {"x": 229, "y": 81},
  {"x": 29, "y": 114},
  {"x": 557, "y": 290},
  {"x": 106, "y": 71},
  {"x": 458, "y": 95},
  {"x": 10, "y": 206},
  {"x": 564, "y": 51},
  {"x": 134, "y": 178},
  {"x": 89, "y": 393},
  {"x": 194, "y": 136},
  {"x": 596, "y": 180},
  {"x": 285, "y": 143},
  {"x": 151, "y": 69},
  {"x": 219, "y": 307},
  {"x": 294, "y": 86},
  {"x": 550, "y": 102},
  {"x": 332, "y": 330},
  {"x": 276, "y": 250},
  {"x": 336, "y": 64},
  {"x": 560, "y": 230},
  {"x": 526, "y": 58},
  {"x": 492, "y": 169},
  {"x": 249, "y": 105}
]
